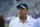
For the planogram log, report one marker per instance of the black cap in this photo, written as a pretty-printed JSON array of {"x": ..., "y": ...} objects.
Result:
[{"x": 23, "y": 5}]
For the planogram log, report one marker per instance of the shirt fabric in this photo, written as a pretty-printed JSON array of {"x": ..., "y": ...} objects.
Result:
[
  {"x": 18, "y": 23},
  {"x": 37, "y": 23}
]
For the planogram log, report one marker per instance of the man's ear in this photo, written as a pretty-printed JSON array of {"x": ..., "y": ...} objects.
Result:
[{"x": 26, "y": 9}]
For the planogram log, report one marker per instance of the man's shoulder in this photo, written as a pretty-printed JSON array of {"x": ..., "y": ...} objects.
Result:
[
  {"x": 14, "y": 20},
  {"x": 38, "y": 20},
  {"x": 31, "y": 18}
]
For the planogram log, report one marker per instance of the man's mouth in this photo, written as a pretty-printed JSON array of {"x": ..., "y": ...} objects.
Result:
[{"x": 20, "y": 13}]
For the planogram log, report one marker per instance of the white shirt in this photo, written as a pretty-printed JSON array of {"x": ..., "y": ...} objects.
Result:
[
  {"x": 37, "y": 24},
  {"x": 18, "y": 23}
]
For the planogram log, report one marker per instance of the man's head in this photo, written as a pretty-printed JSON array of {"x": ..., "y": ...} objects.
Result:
[{"x": 22, "y": 9}]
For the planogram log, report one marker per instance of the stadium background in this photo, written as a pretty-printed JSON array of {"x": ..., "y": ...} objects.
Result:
[{"x": 8, "y": 9}]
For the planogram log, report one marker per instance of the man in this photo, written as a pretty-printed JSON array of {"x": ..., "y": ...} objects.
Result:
[{"x": 23, "y": 20}]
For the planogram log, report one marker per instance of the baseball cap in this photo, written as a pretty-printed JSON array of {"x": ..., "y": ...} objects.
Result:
[{"x": 23, "y": 5}]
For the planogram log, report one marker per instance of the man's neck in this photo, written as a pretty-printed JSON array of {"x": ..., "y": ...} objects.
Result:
[{"x": 23, "y": 19}]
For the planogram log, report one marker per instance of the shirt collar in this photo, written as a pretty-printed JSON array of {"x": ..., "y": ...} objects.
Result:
[{"x": 27, "y": 20}]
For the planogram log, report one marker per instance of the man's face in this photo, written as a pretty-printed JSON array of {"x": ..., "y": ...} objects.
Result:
[{"x": 22, "y": 11}]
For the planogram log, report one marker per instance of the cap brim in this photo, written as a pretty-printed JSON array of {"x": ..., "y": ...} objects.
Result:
[{"x": 21, "y": 6}]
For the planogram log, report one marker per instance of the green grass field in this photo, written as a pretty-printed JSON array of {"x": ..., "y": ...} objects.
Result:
[{"x": 6, "y": 25}]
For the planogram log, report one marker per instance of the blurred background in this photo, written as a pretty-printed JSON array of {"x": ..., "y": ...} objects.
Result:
[{"x": 9, "y": 11}]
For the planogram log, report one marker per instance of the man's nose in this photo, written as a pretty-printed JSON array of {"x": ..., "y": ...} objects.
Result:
[{"x": 20, "y": 10}]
